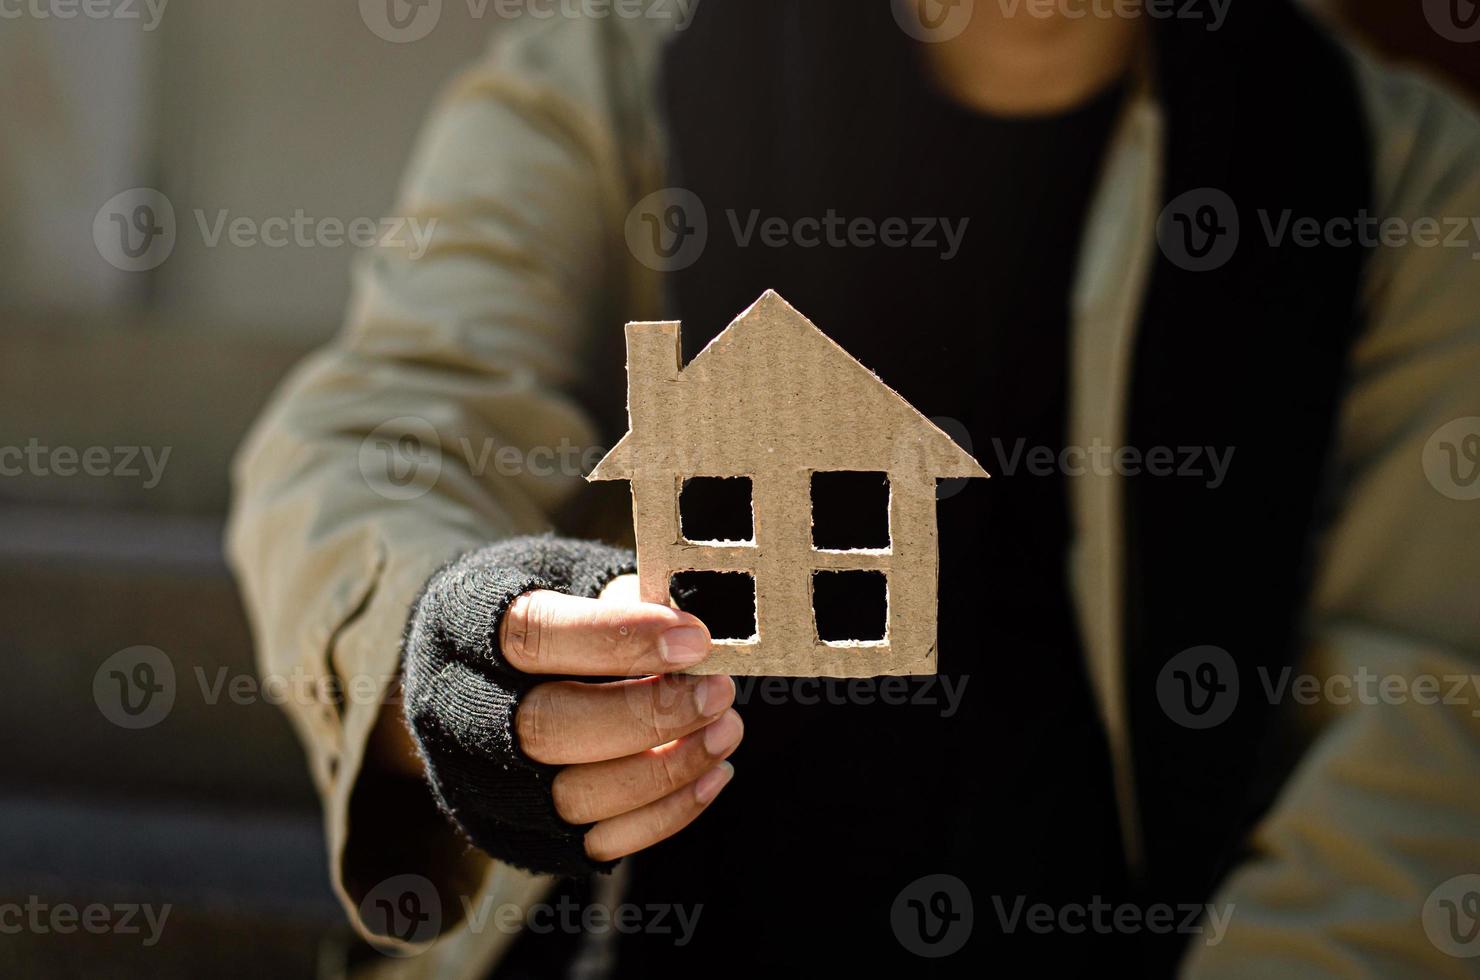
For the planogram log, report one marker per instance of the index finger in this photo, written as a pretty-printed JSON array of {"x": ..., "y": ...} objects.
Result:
[{"x": 551, "y": 633}]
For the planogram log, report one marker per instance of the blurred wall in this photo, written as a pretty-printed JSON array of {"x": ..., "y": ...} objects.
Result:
[
  {"x": 257, "y": 110},
  {"x": 269, "y": 110},
  {"x": 276, "y": 106}
]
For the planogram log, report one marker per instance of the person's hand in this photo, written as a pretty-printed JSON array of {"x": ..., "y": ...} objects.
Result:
[
  {"x": 546, "y": 716},
  {"x": 641, "y": 757}
]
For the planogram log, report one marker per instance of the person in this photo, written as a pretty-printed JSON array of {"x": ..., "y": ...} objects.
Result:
[{"x": 1175, "y": 280}]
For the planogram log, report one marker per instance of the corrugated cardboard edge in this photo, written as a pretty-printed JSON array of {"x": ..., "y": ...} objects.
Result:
[{"x": 668, "y": 402}]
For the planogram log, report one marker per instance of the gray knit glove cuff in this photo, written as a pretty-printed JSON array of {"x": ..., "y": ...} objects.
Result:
[{"x": 461, "y": 696}]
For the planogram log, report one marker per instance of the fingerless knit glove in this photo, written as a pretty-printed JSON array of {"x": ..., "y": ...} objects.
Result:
[{"x": 461, "y": 696}]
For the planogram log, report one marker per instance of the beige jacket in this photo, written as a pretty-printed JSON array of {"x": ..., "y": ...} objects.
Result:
[{"x": 529, "y": 167}]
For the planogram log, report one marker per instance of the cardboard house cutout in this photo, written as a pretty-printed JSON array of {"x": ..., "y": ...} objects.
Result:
[{"x": 773, "y": 400}]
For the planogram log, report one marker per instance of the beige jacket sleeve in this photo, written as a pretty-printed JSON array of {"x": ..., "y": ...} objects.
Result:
[
  {"x": 1361, "y": 865},
  {"x": 441, "y": 418}
]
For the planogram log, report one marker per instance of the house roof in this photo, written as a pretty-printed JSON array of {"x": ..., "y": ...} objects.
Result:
[{"x": 771, "y": 388}]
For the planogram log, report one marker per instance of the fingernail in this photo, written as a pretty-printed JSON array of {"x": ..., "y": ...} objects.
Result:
[
  {"x": 683, "y": 645},
  {"x": 712, "y": 695},
  {"x": 709, "y": 784},
  {"x": 723, "y": 735}
]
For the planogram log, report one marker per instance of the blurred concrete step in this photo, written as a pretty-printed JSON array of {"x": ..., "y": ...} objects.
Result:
[
  {"x": 77, "y": 587},
  {"x": 228, "y": 893}
]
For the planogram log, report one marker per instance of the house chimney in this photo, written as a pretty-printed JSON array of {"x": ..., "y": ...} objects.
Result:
[{"x": 652, "y": 360}]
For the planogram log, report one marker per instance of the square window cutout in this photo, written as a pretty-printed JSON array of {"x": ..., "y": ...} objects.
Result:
[
  {"x": 716, "y": 508},
  {"x": 725, "y": 601},
  {"x": 850, "y": 606},
  {"x": 850, "y": 510}
]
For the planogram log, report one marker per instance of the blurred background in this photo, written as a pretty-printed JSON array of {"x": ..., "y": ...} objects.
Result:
[{"x": 128, "y": 375}]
